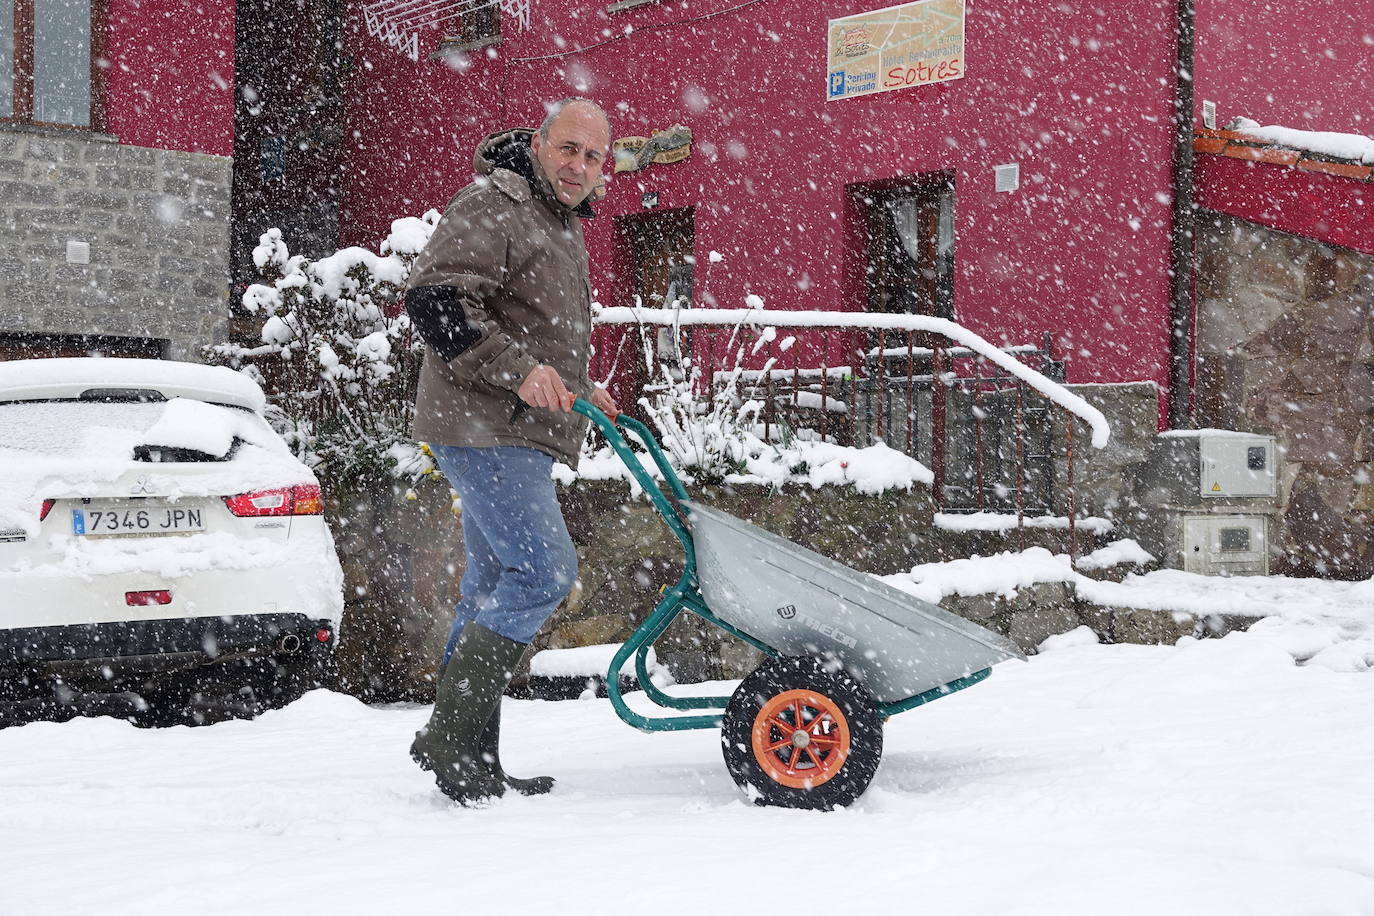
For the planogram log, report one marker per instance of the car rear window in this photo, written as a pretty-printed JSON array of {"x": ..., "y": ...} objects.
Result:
[{"x": 107, "y": 429}]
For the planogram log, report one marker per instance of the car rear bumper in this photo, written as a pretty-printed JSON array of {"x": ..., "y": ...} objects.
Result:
[
  {"x": 207, "y": 637},
  {"x": 300, "y": 579}
]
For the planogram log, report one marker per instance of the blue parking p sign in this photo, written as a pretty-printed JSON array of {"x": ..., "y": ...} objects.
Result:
[{"x": 837, "y": 83}]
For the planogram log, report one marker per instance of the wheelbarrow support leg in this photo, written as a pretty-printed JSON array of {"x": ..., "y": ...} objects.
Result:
[{"x": 640, "y": 641}]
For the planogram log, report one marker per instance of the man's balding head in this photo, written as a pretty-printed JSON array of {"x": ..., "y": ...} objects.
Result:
[
  {"x": 558, "y": 107},
  {"x": 571, "y": 147}
]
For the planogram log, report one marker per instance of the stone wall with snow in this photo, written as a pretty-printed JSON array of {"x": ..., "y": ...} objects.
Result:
[{"x": 626, "y": 553}]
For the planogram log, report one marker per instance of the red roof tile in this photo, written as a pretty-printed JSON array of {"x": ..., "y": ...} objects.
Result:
[
  {"x": 1240, "y": 145},
  {"x": 1344, "y": 169}
]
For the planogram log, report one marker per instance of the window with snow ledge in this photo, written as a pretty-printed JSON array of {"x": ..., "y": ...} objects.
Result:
[
  {"x": 477, "y": 28},
  {"x": 619, "y": 6},
  {"x": 50, "y": 62}
]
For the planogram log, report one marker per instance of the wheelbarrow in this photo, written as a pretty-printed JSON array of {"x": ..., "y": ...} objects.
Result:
[{"x": 844, "y": 650}]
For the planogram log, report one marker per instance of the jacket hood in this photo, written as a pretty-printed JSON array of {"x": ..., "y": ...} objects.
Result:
[{"x": 510, "y": 150}]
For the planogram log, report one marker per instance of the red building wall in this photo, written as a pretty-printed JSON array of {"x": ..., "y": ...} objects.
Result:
[
  {"x": 1327, "y": 208},
  {"x": 1079, "y": 95},
  {"x": 170, "y": 83},
  {"x": 1306, "y": 64}
]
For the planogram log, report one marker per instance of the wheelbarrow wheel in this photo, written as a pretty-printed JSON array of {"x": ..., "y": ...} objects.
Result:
[{"x": 802, "y": 733}]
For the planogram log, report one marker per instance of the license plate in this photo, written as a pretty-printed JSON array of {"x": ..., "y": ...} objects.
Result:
[{"x": 147, "y": 519}]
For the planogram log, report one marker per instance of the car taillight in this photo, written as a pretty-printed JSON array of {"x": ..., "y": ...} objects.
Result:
[
  {"x": 144, "y": 599},
  {"x": 323, "y": 635},
  {"x": 263, "y": 502},
  {"x": 302, "y": 499},
  {"x": 307, "y": 499},
  {"x": 47, "y": 507}
]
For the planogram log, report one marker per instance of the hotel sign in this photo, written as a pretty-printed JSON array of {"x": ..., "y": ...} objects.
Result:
[{"x": 911, "y": 44}]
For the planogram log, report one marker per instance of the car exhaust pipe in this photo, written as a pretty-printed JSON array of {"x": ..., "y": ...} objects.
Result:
[{"x": 289, "y": 643}]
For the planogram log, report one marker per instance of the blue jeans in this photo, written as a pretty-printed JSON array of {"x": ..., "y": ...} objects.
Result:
[{"x": 521, "y": 562}]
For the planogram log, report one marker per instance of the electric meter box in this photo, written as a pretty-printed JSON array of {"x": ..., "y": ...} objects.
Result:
[
  {"x": 1225, "y": 545},
  {"x": 1207, "y": 497},
  {"x": 1236, "y": 464},
  {"x": 1190, "y": 467}
]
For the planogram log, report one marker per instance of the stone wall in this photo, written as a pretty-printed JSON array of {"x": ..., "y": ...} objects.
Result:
[
  {"x": 158, "y": 226},
  {"x": 402, "y": 556},
  {"x": 1284, "y": 347},
  {"x": 627, "y": 555},
  {"x": 403, "y": 559},
  {"x": 1104, "y": 478}
]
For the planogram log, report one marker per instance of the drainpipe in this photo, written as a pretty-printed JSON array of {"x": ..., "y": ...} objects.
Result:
[{"x": 1181, "y": 241}]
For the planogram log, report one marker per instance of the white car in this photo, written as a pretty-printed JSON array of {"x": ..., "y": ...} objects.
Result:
[{"x": 160, "y": 545}]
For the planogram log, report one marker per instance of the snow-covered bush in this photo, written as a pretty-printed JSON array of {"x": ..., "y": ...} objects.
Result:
[
  {"x": 340, "y": 363},
  {"x": 711, "y": 437},
  {"x": 719, "y": 437},
  {"x": 337, "y": 354}
]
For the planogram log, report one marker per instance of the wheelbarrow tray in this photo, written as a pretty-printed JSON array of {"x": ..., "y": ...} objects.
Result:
[{"x": 802, "y": 603}]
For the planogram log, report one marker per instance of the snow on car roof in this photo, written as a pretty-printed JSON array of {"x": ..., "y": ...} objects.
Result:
[{"x": 43, "y": 379}]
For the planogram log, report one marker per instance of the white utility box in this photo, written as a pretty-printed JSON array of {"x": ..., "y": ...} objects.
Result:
[
  {"x": 1207, "y": 497},
  {"x": 1235, "y": 464},
  {"x": 1226, "y": 545}
]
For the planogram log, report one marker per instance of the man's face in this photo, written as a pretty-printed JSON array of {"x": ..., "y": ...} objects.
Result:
[{"x": 575, "y": 152}]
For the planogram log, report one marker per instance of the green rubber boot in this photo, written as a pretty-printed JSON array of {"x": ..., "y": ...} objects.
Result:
[
  {"x": 489, "y": 746},
  {"x": 469, "y": 693}
]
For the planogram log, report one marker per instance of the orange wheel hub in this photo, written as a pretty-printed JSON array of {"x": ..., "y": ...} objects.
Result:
[{"x": 801, "y": 739}]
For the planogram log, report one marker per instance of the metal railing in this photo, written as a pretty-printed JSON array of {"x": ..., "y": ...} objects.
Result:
[{"x": 981, "y": 417}]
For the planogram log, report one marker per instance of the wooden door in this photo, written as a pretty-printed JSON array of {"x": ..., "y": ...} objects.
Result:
[
  {"x": 661, "y": 251},
  {"x": 909, "y": 254},
  {"x": 661, "y": 247}
]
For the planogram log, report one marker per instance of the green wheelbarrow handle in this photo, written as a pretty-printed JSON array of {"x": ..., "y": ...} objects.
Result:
[
  {"x": 669, "y": 506},
  {"x": 607, "y": 426},
  {"x": 684, "y": 596}
]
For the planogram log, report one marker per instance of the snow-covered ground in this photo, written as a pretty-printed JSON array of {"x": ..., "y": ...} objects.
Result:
[{"x": 1212, "y": 777}]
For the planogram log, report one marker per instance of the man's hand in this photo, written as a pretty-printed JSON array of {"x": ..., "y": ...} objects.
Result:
[
  {"x": 543, "y": 388},
  {"x": 602, "y": 400}
]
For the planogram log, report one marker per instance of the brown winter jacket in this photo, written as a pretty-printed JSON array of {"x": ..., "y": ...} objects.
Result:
[{"x": 501, "y": 287}]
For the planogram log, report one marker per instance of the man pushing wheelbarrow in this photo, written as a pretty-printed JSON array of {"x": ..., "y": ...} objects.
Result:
[
  {"x": 505, "y": 344},
  {"x": 845, "y": 651}
]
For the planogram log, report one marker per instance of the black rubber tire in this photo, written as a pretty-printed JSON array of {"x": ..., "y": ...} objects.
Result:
[{"x": 844, "y": 692}]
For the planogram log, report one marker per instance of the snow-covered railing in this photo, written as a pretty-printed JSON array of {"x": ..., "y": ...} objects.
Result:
[
  {"x": 858, "y": 321},
  {"x": 839, "y": 370}
]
